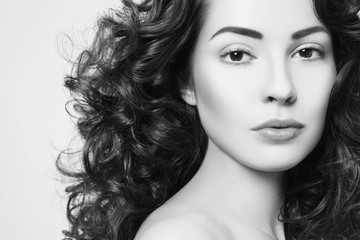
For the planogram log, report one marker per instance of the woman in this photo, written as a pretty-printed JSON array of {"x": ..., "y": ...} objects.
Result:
[{"x": 231, "y": 119}]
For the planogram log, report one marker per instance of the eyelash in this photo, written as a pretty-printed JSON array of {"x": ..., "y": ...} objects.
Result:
[
  {"x": 315, "y": 48},
  {"x": 240, "y": 51}
]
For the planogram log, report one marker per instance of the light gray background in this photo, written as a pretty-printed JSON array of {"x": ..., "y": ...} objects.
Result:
[{"x": 33, "y": 122}]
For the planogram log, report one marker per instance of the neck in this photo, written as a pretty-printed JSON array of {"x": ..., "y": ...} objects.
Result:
[{"x": 239, "y": 193}]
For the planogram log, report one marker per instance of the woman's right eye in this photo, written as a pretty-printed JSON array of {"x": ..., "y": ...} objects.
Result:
[{"x": 237, "y": 56}]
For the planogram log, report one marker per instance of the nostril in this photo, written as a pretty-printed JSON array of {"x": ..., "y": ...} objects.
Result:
[
  {"x": 271, "y": 99},
  {"x": 290, "y": 100},
  {"x": 286, "y": 101}
]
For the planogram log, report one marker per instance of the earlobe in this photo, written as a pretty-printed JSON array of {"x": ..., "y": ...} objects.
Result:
[{"x": 188, "y": 95}]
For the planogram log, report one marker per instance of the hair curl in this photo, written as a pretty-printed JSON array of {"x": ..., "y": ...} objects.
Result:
[
  {"x": 142, "y": 142},
  {"x": 133, "y": 121},
  {"x": 322, "y": 200}
]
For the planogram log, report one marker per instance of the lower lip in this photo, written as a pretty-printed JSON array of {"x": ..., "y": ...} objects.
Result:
[{"x": 279, "y": 134}]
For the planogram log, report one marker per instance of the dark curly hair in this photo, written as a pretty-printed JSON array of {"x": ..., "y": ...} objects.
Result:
[
  {"x": 142, "y": 142},
  {"x": 322, "y": 200}
]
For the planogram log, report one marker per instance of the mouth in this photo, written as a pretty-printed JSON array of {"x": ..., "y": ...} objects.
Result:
[{"x": 276, "y": 130}]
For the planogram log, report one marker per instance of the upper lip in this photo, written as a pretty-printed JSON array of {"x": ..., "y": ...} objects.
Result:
[{"x": 278, "y": 123}]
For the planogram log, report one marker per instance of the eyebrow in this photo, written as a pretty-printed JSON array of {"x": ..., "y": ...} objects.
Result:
[
  {"x": 257, "y": 35},
  {"x": 307, "y": 31},
  {"x": 239, "y": 30}
]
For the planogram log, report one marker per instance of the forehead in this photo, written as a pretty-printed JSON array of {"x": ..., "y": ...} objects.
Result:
[{"x": 267, "y": 16}]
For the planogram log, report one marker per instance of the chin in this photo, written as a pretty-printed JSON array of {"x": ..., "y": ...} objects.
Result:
[
  {"x": 278, "y": 166},
  {"x": 268, "y": 158},
  {"x": 276, "y": 158}
]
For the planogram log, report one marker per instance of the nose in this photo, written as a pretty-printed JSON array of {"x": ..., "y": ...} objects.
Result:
[{"x": 279, "y": 88}]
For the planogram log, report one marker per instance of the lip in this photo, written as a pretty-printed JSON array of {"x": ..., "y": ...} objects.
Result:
[{"x": 278, "y": 130}]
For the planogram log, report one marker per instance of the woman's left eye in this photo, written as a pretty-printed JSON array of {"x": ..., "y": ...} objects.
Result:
[
  {"x": 308, "y": 54},
  {"x": 237, "y": 57}
]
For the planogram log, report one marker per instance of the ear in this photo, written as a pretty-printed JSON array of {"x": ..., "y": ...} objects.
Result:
[{"x": 188, "y": 95}]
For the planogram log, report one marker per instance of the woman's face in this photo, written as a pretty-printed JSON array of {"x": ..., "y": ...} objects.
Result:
[{"x": 262, "y": 74}]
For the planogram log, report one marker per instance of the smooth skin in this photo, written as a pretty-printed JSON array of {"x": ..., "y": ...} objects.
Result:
[{"x": 254, "y": 60}]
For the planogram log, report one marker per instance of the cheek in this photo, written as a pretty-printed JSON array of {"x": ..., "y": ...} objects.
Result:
[
  {"x": 313, "y": 89},
  {"x": 211, "y": 92},
  {"x": 224, "y": 93}
]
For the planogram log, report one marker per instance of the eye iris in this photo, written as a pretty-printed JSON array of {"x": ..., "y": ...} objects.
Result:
[
  {"x": 236, "y": 56},
  {"x": 306, "y": 53}
]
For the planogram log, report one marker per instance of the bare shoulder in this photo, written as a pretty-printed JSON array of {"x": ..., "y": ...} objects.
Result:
[
  {"x": 184, "y": 220},
  {"x": 194, "y": 227},
  {"x": 184, "y": 227}
]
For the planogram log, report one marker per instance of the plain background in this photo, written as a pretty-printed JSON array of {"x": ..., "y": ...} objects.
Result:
[{"x": 33, "y": 123}]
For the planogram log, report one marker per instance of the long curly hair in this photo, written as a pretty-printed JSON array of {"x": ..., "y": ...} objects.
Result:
[
  {"x": 322, "y": 199},
  {"x": 142, "y": 143}
]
